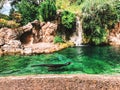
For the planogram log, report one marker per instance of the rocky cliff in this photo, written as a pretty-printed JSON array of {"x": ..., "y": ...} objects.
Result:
[{"x": 34, "y": 38}]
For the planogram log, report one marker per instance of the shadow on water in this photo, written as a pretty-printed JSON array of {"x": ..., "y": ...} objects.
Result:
[{"x": 88, "y": 59}]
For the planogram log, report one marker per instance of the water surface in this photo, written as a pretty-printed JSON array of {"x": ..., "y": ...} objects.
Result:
[{"x": 84, "y": 59}]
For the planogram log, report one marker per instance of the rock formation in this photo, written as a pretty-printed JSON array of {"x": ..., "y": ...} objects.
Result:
[
  {"x": 48, "y": 32},
  {"x": 34, "y": 38},
  {"x": 38, "y": 32},
  {"x": 12, "y": 47},
  {"x": 7, "y": 34},
  {"x": 114, "y": 36}
]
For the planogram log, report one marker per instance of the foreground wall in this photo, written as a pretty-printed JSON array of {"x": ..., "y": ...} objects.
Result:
[{"x": 60, "y": 82}]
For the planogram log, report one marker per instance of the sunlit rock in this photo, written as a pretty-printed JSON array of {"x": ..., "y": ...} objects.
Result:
[
  {"x": 13, "y": 47},
  {"x": 14, "y": 43},
  {"x": 34, "y": 38},
  {"x": 27, "y": 51},
  {"x": 2, "y": 42},
  {"x": 114, "y": 36},
  {"x": 48, "y": 32},
  {"x": 26, "y": 28},
  {"x": 7, "y": 34}
]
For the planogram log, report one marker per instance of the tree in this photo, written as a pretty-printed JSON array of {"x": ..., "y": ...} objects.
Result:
[
  {"x": 47, "y": 10},
  {"x": 35, "y": 2},
  {"x": 27, "y": 10},
  {"x": 97, "y": 20},
  {"x": 2, "y": 3}
]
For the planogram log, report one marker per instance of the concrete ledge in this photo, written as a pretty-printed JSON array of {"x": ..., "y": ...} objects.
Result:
[{"x": 60, "y": 82}]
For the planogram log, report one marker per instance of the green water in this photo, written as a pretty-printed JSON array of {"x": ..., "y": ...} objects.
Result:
[{"x": 84, "y": 59}]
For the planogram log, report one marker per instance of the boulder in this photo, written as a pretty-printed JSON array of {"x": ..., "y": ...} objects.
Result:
[
  {"x": 27, "y": 39},
  {"x": 14, "y": 43},
  {"x": 9, "y": 50},
  {"x": 48, "y": 32},
  {"x": 2, "y": 42},
  {"x": 27, "y": 51},
  {"x": 7, "y": 34},
  {"x": 41, "y": 31},
  {"x": 26, "y": 28},
  {"x": 12, "y": 47},
  {"x": 47, "y": 39}
]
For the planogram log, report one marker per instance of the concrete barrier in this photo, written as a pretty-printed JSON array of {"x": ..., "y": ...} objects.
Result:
[{"x": 60, "y": 82}]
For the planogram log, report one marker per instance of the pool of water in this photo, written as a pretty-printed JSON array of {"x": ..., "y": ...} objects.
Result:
[{"x": 84, "y": 59}]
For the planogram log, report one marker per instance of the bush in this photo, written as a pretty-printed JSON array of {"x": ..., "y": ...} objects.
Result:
[
  {"x": 58, "y": 39},
  {"x": 28, "y": 11},
  {"x": 4, "y": 16},
  {"x": 16, "y": 16},
  {"x": 78, "y": 2},
  {"x": 47, "y": 10},
  {"x": 68, "y": 19},
  {"x": 117, "y": 7},
  {"x": 9, "y": 24},
  {"x": 67, "y": 24},
  {"x": 97, "y": 19},
  {"x": 3, "y": 22}
]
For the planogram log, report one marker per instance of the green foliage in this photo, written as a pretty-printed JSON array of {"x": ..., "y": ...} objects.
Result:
[
  {"x": 16, "y": 16},
  {"x": 97, "y": 19},
  {"x": 47, "y": 10},
  {"x": 79, "y": 1},
  {"x": 62, "y": 4},
  {"x": 117, "y": 7},
  {"x": 28, "y": 11},
  {"x": 8, "y": 23},
  {"x": 4, "y": 16},
  {"x": 67, "y": 24},
  {"x": 58, "y": 39},
  {"x": 68, "y": 19}
]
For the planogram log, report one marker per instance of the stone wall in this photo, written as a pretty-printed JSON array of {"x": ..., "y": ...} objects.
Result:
[{"x": 60, "y": 82}]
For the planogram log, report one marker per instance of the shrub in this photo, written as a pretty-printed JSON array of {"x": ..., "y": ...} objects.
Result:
[
  {"x": 78, "y": 2},
  {"x": 97, "y": 19},
  {"x": 68, "y": 19},
  {"x": 28, "y": 11},
  {"x": 6, "y": 23},
  {"x": 16, "y": 16},
  {"x": 47, "y": 10},
  {"x": 12, "y": 24},
  {"x": 58, "y": 39},
  {"x": 67, "y": 24},
  {"x": 3, "y": 22},
  {"x": 4, "y": 16},
  {"x": 117, "y": 7}
]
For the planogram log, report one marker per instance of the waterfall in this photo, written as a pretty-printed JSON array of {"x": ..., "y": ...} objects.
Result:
[{"x": 77, "y": 36}]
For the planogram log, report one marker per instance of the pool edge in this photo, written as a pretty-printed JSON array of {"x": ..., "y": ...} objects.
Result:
[{"x": 61, "y": 82}]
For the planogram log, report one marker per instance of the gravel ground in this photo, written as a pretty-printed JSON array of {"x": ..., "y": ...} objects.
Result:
[{"x": 61, "y": 82}]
